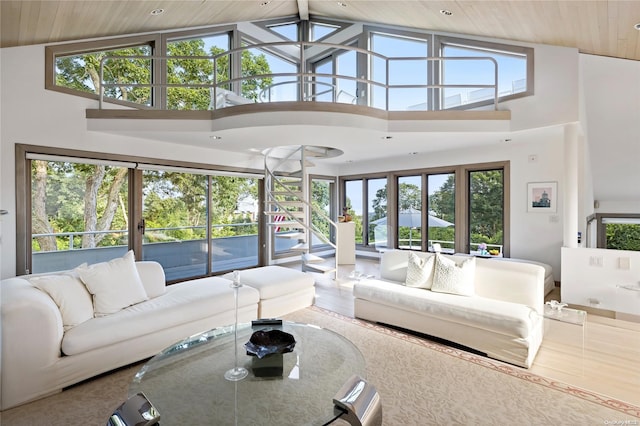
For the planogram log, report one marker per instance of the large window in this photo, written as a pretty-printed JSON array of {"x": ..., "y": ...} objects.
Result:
[
  {"x": 81, "y": 73},
  {"x": 486, "y": 211},
  {"x": 513, "y": 68},
  {"x": 79, "y": 213},
  {"x": 186, "y": 72},
  {"x": 618, "y": 231},
  {"x": 396, "y": 77},
  {"x": 441, "y": 201},
  {"x": 460, "y": 207},
  {"x": 323, "y": 198},
  {"x": 194, "y": 222},
  {"x": 411, "y": 74}
]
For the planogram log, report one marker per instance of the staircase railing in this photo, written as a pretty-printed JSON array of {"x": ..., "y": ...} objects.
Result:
[{"x": 281, "y": 174}]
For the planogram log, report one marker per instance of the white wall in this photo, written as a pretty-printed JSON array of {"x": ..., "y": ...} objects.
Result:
[{"x": 611, "y": 96}]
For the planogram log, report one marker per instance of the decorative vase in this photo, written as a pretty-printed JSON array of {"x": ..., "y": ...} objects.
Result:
[{"x": 236, "y": 373}]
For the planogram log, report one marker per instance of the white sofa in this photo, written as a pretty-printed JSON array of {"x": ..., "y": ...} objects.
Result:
[
  {"x": 49, "y": 343},
  {"x": 502, "y": 316}
]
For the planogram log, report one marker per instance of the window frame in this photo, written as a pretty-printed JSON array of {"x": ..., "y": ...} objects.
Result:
[
  {"x": 24, "y": 207},
  {"x": 462, "y": 185},
  {"x": 52, "y": 52},
  {"x": 440, "y": 41}
]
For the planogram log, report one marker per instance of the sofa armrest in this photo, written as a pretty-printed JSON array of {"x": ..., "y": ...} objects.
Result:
[
  {"x": 152, "y": 277},
  {"x": 31, "y": 337}
]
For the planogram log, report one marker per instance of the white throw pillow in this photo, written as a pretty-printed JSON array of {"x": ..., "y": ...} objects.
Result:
[
  {"x": 71, "y": 296},
  {"x": 449, "y": 277},
  {"x": 114, "y": 284},
  {"x": 419, "y": 271}
]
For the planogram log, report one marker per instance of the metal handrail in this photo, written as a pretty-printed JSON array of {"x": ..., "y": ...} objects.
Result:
[
  {"x": 73, "y": 234},
  {"x": 302, "y": 76}
]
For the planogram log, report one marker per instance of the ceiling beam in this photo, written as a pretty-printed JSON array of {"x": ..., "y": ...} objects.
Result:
[{"x": 303, "y": 9}]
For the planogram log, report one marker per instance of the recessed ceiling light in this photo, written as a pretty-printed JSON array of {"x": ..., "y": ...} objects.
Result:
[
  {"x": 156, "y": 12},
  {"x": 446, "y": 12},
  {"x": 637, "y": 26},
  {"x": 342, "y": 4}
]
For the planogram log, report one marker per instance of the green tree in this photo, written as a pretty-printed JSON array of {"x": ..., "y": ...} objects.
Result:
[
  {"x": 486, "y": 206},
  {"x": 82, "y": 72},
  {"x": 442, "y": 203}
]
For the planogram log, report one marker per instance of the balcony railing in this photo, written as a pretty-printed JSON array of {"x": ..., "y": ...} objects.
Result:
[
  {"x": 180, "y": 258},
  {"x": 312, "y": 86}
]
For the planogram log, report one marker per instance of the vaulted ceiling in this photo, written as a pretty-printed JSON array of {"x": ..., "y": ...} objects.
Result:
[{"x": 599, "y": 27}]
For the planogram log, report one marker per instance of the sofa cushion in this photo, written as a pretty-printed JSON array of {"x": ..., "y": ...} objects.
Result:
[
  {"x": 274, "y": 281},
  {"x": 512, "y": 319},
  {"x": 71, "y": 296},
  {"x": 181, "y": 303},
  {"x": 114, "y": 284},
  {"x": 419, "y": 271},
  {"x": 454, "y": 278}
]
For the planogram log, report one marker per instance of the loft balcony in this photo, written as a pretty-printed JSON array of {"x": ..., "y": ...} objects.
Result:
[{"x": 397, "y": 92}]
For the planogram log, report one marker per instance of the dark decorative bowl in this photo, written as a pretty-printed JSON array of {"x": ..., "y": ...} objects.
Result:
[{"x": 268, "y": 342}]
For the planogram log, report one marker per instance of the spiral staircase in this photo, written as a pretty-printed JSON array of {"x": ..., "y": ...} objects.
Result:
[{"x": 289, "y": 209}]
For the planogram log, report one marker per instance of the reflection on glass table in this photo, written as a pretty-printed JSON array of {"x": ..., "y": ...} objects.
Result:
[{"x": 186, "y": 381}]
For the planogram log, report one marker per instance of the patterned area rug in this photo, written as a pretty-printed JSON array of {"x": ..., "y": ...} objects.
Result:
[{"x": 420, "y": 382}]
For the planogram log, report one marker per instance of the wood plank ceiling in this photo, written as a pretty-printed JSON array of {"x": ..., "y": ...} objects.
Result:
[{"x": 599, "y": 27}]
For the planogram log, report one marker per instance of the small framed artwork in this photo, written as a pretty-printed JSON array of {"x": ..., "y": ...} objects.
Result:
[{"x": 542, "y": 197}]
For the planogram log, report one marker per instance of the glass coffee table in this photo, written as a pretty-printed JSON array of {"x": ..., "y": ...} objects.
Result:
[{"x": 186, "y": 383}]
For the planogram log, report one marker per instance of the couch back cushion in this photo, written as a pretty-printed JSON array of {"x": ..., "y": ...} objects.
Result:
[
  {"x": 71, "y": 296},
  {"x": 454, "y": 277},
  {"x": 114, "y": 285},
  {"x": 394, "y": 263}
]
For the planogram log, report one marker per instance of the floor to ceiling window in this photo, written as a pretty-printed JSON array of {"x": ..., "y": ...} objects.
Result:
[
  {"x": 79, "y": 212},
  {"x": 194, "y": 222},
  {"x": 486, "y": 212},
  {"x": 174, "y": 210},
  {"x": 441, "y": 202},
  {"x": 432, "y": 200},
  {"x": 353, "y": 205},
  {"x": 410, "y": 212},
  {"x": 323, "y": 196}
]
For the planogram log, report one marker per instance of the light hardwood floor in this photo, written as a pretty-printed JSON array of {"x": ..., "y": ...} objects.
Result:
[{"x": 608, "y": 362}]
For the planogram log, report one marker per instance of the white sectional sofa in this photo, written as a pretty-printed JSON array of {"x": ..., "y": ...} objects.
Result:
[
  {"x": 497, "y": 310},
  {"x": 58, "y": 329}
]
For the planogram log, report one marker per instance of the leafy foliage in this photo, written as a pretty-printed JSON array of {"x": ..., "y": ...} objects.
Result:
[
  {"x": 623, "y": 236},
  {"x": 82, "y": 72}
]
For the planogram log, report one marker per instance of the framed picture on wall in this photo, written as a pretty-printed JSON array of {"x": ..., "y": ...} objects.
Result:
[{"x": 542, "y": 197}]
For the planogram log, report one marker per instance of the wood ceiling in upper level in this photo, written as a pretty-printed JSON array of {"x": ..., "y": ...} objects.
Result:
[{"x": 599, "y": 27}]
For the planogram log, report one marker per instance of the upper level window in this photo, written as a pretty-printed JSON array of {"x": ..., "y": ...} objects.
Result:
[
  {"x": 287, "y": 30},
  {"x": 196, "y": 71},
  {"x": 320, "y": 30},
  {"x": 404, "y": 69},
  {"x": 513, "y": 65},
  {"x": 82, "y": 72}
]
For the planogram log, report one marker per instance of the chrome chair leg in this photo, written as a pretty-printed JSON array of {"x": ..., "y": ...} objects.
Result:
[
  {"x": 137, "y": 410},
  {"x": 360, "y": 403}
]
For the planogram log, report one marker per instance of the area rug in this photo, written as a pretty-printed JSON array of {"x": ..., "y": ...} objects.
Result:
[{"x": 420, "y": 383}]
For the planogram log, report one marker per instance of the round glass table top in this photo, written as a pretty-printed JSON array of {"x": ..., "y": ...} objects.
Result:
[{"x": 186, "y": 382}]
